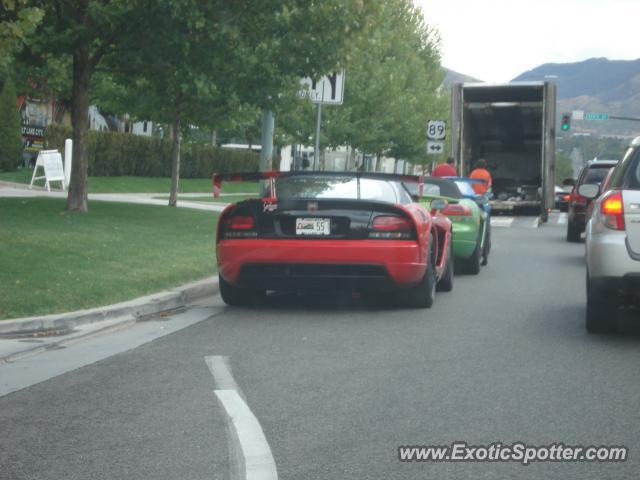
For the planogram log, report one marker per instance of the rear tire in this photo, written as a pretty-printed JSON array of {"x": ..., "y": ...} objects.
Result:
[
  {"x": 573, "y": 233},
  {"x": 446, "y": 282},
  {"x": 601, "y": 310},
  {"x": 423, "y": 294},
  {"x": 236, "y": 296},
  {"x": 471, "y": 265}
]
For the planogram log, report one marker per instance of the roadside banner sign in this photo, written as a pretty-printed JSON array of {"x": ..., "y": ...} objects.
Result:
[{"x": 51, "y": 162}]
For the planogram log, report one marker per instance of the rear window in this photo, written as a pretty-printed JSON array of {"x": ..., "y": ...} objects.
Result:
[
  {"x": 596, "y": 174},
  {"x": 336, "y": 187}
]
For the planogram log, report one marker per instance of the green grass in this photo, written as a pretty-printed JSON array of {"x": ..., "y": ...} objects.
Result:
[
  {"x": 53, "y": 261},
  {"x": 139, "y": 184}
]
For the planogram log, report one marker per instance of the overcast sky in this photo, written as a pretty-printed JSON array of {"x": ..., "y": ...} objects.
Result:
[{"x": 496, "y": 40}]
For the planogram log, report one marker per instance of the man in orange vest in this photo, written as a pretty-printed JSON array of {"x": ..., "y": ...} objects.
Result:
[{"x": 481, "y": 173}]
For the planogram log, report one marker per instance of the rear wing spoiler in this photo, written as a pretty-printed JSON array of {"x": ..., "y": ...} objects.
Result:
[{"x": 271, "y": 177}]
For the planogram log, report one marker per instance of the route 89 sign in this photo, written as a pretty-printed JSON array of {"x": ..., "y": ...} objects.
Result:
[{"x": 436, "y": 129}]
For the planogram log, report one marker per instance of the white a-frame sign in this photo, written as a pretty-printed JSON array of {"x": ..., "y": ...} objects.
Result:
[{"x": 51, "y": 162}]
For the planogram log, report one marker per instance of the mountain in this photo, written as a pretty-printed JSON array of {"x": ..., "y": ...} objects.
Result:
[
  {"x": 595, "y": 85},
  {"x": 451, "y": 77}
]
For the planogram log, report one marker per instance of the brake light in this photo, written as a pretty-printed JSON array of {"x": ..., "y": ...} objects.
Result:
[
  {"x": 240, "y": 223},
  {"x": 389, "y": 223},
  {"x": 612, "y": 210},
  {"x": 566, "y": 198},
  {"x": 390, "y": 227},
  {"x": 576, "y": 198},
  {"x": 240, "y": 227},
  {"x": 456, "y": 210}
]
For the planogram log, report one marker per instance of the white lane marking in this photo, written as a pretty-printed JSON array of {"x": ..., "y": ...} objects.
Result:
[
  {"x": 562, "y": 218},
  {"x": 535, "y": 223},
  {"x": 221, "y": 371},
  {"x": 501, "y": 221},
  {"x": 256, "y": 462},
  {"x": 250, "y": 455}
]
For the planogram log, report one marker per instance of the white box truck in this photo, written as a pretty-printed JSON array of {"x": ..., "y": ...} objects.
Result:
[{"x": 511, "y": 126}]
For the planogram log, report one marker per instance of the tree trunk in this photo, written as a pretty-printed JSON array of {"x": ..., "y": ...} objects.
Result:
[
  {"x": 214, "y": 137},
  {"x": 77, "y": 196},
  {"x": 176, "y": 137}
]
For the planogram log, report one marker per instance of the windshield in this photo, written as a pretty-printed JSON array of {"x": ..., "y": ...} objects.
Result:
[{"x": 336, "y": 187}]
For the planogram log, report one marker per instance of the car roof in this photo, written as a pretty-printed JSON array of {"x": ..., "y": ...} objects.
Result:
[{"x": 602, "y": 163}]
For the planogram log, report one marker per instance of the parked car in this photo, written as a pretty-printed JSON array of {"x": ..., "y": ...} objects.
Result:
[
  {"x": 562, "y": 197},
  {"x": 592, "y": 173},
  {"x": 613, "y": 243},
  {"x": 325, "y": 232},
  {"x": 604, "y": 186},
  {"x": 466, "y": 210}
]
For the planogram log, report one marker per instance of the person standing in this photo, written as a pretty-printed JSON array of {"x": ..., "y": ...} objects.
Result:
[
  {"x": 481, "y": 173},
  {"x": 445, "y": 169}
]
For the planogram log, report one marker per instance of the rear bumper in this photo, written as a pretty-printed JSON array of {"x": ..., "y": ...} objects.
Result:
[
  {"x": 608, "y": 257},
  {"x": 291, "y": 264}
]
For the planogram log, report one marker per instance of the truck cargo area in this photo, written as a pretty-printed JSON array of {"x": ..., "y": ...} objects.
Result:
[{"x": 509, "y": 126}]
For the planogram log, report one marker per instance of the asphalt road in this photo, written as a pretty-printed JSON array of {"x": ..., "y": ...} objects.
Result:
[{"x": 337, "y": 385}]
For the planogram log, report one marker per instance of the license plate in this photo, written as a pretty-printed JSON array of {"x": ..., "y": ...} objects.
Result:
[{"x": 313, "y": 226}]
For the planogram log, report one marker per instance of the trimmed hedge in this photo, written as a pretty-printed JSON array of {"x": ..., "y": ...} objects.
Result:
[{"x": 122, "y": 154}]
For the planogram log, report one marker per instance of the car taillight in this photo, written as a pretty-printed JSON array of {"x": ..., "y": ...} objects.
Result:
[
  {"x": 456, "y": 210},
  {"x": 612, "y": 210},
  {"x": 566, "y": 198},
  {"x": 576, "y": 198},
  {"x": 391, "y": 226},
  {"x": 240, "y": 227}
]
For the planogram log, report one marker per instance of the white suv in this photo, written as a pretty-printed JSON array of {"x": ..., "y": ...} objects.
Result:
[{"x": 613, "y": 244}]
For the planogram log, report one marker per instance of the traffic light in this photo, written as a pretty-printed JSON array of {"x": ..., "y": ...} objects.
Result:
[{"x": 566, "y": 122}]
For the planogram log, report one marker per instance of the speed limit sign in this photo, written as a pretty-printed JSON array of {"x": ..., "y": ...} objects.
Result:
[{"x": 436, "y": 129}]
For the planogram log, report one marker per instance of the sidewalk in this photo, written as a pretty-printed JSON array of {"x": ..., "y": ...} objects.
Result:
[
  {"x": 18, "y": 190},
  {"x": 22, "y": 337}
]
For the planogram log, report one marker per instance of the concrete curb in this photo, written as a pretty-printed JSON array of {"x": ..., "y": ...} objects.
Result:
[{"x": 139, "y": 308}]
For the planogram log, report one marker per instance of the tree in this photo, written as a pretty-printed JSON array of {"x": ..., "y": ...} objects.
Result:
[
  {"x": 392, "y": 80},
  {"x": 81, "y": 33},
  {"x": 10, "y": 136}
]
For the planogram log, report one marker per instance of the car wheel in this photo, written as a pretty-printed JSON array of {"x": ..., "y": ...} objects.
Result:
[
  {"x": 446, "y": 282},
  {"x": 423, "y": 294},
  {"x": 471, "y": 265},
  {"x": 573, "y": 233},
  {"x": 236, "y": 296},
  {"x": 601, "y": 310}
]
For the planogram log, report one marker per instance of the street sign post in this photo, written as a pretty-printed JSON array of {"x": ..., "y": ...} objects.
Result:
[
  {"x": 436, "y": 129},
  {"x": 596, "y": 116},
  {"x": 435, "y": 148},
  {"x": 329, "y": 90}
]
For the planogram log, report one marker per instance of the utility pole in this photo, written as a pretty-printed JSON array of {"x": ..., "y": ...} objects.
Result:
[{"x": 266, "y": 152}]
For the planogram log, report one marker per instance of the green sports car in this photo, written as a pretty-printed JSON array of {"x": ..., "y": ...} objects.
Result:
[{"x": 470, "y": 218}]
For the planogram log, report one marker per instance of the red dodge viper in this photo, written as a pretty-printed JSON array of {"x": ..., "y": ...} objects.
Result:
[{"x": 328, "y": 231}]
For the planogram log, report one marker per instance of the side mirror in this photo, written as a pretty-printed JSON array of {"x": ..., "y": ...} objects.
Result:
[
  {"x": 438, "y": 204},
  {"x": 569, "y": 182},
  {"x": 589, "y": 190}
]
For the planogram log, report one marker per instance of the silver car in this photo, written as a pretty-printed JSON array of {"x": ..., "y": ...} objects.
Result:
[{"x": 613, "y": 244}]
